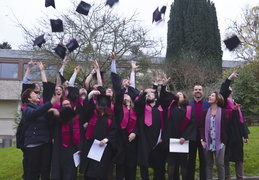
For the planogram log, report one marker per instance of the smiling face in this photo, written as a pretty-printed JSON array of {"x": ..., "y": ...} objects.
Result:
[
  {"x": 150, "y": 96},
  {"x": 109, "y": 92},
  {"x": 34, "y": 98},
  {"x": 212, "y": 99},
  {"x": 58, "y": 91},
  {"x": 197, "y": 92},
  {"x": 180, "y": 96}
]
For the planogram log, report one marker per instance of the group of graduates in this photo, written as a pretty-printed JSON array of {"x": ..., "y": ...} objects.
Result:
[{"x": 135, "y": 126}]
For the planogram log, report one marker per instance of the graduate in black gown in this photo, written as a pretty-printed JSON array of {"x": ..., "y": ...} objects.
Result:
[
  {"x": 180, "y": 124},
  {"x": 67, "y": 141},
  {"x": 126, "y": 118},
  {"x": 151, "y": 126},
  {"x": 101, "y": 126},
  {"x": 238, "y": 131}
]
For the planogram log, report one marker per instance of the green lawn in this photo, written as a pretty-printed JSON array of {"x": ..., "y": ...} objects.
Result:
[{"x": 11, "y": 159}]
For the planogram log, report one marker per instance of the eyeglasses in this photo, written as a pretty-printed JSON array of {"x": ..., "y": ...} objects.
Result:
[{"x": 37, "y": 92}]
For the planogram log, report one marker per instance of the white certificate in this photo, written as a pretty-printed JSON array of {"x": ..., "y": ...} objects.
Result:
[
  {"x": 96, "y": 152},
  {"x": 175, "y": 146},
  {"x": 158, "y": 139},
  {"x": 76, "y": 157}
]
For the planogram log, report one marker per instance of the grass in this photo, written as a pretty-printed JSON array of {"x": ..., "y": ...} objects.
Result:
[{"x": 11, "y": 159}]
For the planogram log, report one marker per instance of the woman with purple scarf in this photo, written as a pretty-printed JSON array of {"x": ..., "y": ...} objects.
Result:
[{"x": 214, "y": 122}]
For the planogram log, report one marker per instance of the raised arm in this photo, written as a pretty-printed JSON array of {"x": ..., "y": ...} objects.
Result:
[
  {"x": 133, "y": 74},
  {"x": 26, "y": 79},
  {"x": 113, "y": 63},
  {"x": 224, "y": 89},
  {"x": 98, "y": 73},
  {"x": 166, "y": 97},
  {"x": 42, "y": 71},
  {"x": 72, "y": 80},
  {"x": 88, "y": 80},
  {"x": 65, "y": 62}
]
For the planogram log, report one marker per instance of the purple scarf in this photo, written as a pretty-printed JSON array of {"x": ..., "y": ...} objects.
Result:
[{"x": 217, "y": 129}]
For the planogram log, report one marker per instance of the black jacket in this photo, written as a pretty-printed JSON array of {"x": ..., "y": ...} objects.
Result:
[{"x": 37, "y": 130}]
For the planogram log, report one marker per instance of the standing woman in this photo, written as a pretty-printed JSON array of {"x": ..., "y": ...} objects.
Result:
[
  {"x": 102, "y": 127},
  {"x": 37, "y": 135},
  {"x": 67, "y": 141},
  {"x": 180, "y": 124},
  {"x": 214, "y": 122},
  {"x": 238, "y": 131}
]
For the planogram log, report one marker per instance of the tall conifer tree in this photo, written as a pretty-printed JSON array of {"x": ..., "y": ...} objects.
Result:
[{"x": 193, "y": 28}]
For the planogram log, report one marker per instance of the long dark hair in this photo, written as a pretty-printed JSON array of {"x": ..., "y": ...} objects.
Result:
[
  {"x": 103, "y": 112},
  {"x": 185, "y": 101}
]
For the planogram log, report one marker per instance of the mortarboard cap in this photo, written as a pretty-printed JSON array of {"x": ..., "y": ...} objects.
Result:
[
  {"x": 60, "y": 51},
  {"x": 101, "y": 89},
  {"x": 50, "y": 3},
  {"x": 156, "y": 15},
  {"x": 111, "y": 2},
  {"x": 72, "y": 45},
  {"x": 163, "y": 9},
  {"x": 73, "y": 93},
  {"x": 232, "y": 43},
  {"x": 56, "y": 25},
  {"x": 66, "y": 114},
  {"x": 39, "y": 41},
  {"x": 103, "y": 101},
  {"x": 83, "y": 8}
]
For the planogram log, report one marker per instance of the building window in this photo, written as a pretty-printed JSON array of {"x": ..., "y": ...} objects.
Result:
[
  {"x": 50, "y": 70},
  {"x": 9, "y": 70}
]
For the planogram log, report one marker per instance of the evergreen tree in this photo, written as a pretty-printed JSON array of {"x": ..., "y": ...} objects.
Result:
[{"x": 193, "y": 28}]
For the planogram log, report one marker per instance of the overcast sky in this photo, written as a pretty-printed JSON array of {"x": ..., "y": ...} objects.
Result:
[{"x": 28, "y": 11}]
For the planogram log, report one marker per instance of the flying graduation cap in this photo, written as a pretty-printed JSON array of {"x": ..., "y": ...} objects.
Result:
[
  {"x": 111, "y": 2},
  {"x": 163, "y": 9},
  {"x": 56, "y": 25},
  {"x": 72, "y": 45},
  {"x": 39, "y": 41},
  {"x": 232, "y": 43},
  {"x": 50, "y": 3},
  {"x": 60, "y": 51},
  {"x": 157, "y": 15},
  {"x": 83, "y": 8}
]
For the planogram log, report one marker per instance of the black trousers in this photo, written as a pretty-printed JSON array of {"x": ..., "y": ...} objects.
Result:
[
  {"x": 39, "y": 160},
  {"x": 124, "y": 172},
  {"x": 193, "y": 147}
]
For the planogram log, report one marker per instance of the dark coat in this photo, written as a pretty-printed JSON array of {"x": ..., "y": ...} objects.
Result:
[{"x": 38, "y": 130}]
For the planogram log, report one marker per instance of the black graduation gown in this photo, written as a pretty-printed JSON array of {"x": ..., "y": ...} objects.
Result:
[
  {"x": 236, "y": 130},
  {"x": 234, "y": 147},
  {"x": 173, "y": 123},
  {"x": 62, "y": 157},
  {"x": 92, "y": 168},
  {"x": 126, "y": 152},
  {"x": 150, "y": 153}
]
